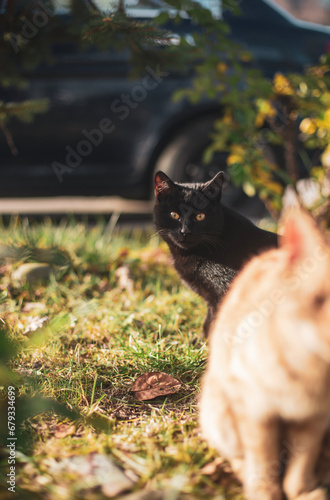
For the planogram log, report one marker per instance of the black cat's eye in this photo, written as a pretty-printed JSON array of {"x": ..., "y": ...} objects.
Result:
[
  {"x": 200, "y": 217},
  {"x": 175, "y": 215}
]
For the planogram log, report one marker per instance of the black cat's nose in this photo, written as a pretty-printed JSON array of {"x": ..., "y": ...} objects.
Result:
[{"x": 185, "y": 231}]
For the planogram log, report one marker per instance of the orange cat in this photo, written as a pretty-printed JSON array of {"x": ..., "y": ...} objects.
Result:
[{"x": 265, "y": 402}]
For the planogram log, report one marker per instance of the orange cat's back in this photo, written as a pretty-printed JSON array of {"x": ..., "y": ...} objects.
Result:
[{"x": 269, "y": 365}]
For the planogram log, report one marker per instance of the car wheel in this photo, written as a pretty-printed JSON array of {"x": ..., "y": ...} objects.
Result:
[{"x": 182, "y": 161}]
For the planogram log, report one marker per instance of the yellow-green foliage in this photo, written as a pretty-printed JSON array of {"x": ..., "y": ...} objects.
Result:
[{"x": 293, "y": 112}]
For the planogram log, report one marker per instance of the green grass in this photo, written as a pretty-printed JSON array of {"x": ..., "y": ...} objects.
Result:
[{"x": 101, "y": 334}]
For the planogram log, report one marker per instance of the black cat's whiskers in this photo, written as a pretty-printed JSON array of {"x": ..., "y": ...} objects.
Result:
[
  {"x": 212, "y": 242},
  {"x": 175, "y": 241},
  {"x": 160, "y": 232},
  {"x": 153, "y": 236}
]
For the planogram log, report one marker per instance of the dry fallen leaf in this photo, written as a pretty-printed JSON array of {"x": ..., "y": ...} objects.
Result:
[
  {"x": 153, "y": 384},
  {"x": 93, "y": 471},
  {"x": 34, "y": 323},
  {"x": 63, "y": 430},
  {"x": 148, "y": 495}
]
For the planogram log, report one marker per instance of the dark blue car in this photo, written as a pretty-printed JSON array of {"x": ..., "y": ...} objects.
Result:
[{"x": 105, "y": 134}]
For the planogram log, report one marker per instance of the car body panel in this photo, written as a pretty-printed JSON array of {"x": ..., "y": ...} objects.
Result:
[{"x": 103, "y": 131}]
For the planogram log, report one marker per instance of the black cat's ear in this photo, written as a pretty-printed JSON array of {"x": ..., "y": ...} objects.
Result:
[
  {"x": 163, "y": 184},
  {"x": 213, "y": 188}
]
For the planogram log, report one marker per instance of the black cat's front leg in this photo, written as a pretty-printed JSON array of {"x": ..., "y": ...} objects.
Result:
[{"x": 211, "y": 310}]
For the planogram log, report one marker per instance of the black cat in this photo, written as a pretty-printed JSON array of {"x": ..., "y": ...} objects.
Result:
[{"x": 209, "y": 242}]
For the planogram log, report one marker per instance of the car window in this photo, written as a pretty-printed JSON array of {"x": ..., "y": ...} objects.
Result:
[{"x": 144, "y": 8}]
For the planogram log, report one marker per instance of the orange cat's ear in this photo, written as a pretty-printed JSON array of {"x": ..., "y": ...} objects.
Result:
[
  {"x": 300, "y": 235},
  {"x": 163, "y": 184}
]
